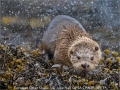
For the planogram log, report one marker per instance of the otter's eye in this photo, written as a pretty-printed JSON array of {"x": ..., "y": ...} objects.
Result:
[
  {"x": 78, "y": 57},
  {"x": 71, "y": 52},
  {"x": 92, "y": 58},
  {"x": 96, "y": 48}
]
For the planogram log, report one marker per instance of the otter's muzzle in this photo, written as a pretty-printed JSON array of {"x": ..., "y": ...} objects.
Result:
[{"x": 84, "y": 65}]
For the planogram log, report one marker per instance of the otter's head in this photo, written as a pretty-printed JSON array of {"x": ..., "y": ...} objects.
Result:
[{"x": 84, "y": 54}]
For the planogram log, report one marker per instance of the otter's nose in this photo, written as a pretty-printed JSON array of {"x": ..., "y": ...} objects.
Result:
[{"x": 85, "y": 65}]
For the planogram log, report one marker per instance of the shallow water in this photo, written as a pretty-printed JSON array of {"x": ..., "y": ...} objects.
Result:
[{"x": 24, "y": 21}]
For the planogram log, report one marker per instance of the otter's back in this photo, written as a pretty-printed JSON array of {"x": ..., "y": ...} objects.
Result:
[{"x": 55, "y": 27}]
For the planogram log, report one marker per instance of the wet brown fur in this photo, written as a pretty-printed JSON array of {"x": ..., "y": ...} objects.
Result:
[{"x": 64, "y": 41}]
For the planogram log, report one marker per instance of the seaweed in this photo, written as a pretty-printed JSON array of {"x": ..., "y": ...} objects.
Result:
[{"x": 23, "y": 68}]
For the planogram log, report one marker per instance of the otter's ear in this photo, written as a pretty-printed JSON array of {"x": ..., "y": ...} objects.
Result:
[
  {"x": 96, "y": 48},
  {"x": 71, "y": 52}
]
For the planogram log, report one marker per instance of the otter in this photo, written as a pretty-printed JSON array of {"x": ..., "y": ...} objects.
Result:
[{"x": 70, "y": 45}]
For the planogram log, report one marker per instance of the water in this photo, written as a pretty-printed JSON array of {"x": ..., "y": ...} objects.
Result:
[{"x": 28, "y": 19}]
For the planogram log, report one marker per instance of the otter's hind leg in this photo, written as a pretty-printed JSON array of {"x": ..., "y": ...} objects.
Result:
[{"x": 44, "y": 52}]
